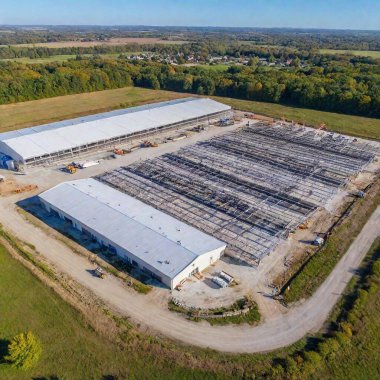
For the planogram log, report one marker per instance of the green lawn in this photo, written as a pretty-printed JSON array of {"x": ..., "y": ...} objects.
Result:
[{"x": 361, "y": 53}]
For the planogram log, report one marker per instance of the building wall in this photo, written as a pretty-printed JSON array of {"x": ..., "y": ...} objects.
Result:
[
  {"x": 199, "y": 264},
  {"x": 5, "y": 149},
  {"x": 116, "y": 141}
]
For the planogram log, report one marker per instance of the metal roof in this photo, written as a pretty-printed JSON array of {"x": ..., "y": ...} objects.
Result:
[
  {"x": 67, "y": 134},
  {"x": 158, "y": 239}
]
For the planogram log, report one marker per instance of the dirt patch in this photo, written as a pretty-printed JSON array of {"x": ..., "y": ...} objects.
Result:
[{"x": 11, "y": 186}]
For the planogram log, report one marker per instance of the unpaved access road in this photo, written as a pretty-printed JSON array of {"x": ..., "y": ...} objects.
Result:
[{"x": 277, "y": 331}]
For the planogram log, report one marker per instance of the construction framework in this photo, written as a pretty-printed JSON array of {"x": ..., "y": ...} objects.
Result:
[{"x": 249, "y": 188}]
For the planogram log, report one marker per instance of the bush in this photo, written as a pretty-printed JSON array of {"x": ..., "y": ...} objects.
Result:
[
  {"x": 376, "y": 269},
  {"x": 346, "y": 329},
  {"x": 24, "y": 350},
  {"x": 328, "y": 347},
  {"x": 312, "y": 357}
]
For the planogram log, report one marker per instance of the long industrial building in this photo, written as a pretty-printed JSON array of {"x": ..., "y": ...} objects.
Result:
[
  {"x": 61, "y": 140},
  {"x": 159, "y": 244}
]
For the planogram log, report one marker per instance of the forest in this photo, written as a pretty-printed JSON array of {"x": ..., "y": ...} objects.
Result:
[
  {"x": 339, "y": 86},
  {"x": 303, "y": 39}
]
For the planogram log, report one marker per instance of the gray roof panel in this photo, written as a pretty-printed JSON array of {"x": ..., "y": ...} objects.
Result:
[
  {"x": 162, "y": 241},
  {"x": 67, "y": 134}
]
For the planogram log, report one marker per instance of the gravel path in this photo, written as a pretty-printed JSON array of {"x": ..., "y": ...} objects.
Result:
[{"x": 276, "y": 331}]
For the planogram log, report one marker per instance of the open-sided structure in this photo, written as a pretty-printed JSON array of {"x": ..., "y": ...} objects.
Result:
[
  {"x": 160, "y": 245},
  {"x": 56, "y": 141},
  {"x": 249, "y": 188}
]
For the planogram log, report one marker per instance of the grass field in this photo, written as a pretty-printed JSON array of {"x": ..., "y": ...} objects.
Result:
[
  {"x": 348, "y": 124},
  {"x": 60, "y": 58},
  {"x": 19, "y": 115},
  {"x": 359, "y": 53},
  {"x": 71, "y": 348},
  {"x": 110, "y": 42},
  {"x": 360, "y": 359},
  {"x": 218, "y": 67},
  {"x": 317, "y": 269}
]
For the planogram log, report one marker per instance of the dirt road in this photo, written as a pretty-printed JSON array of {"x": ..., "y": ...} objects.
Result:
[{"x": 277, "y": 331}]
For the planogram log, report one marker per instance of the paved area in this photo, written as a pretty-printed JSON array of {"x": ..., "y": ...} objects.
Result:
[{"x": 276, "y": 331}]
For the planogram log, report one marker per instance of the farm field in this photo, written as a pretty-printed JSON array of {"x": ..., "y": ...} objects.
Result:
[
  {"x": 20, "y": 115},
  {"x": 351, "y": 125},
  {"x": 359, "y": 53},
  {"x": 216, "y": 67},
  {"x": 110, "y": 42},
  {"x": 61, "y": 58}
]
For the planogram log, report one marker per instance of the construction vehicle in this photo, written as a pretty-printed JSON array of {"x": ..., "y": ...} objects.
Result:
[
  {"x": 119, "y": 151},
  {"x": 99, "y": 272},
  {"x": 149, "y": 144},
  {"x": 225, "y": 121},
  {"x": 304, "y": 226},
  {"x": 179, "y": 137},
  {"x": 70, "y": 168}
]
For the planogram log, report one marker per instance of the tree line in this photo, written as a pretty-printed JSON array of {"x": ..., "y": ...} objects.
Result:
[
  {"x": 201, "y": 49},
  {"x": 337, "y": 86}
]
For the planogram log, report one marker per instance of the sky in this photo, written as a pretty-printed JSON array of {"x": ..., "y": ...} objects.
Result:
[{"x": 331, "y": 14}]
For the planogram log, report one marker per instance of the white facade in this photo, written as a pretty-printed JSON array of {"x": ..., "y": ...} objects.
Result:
[
  {"x": 166, "y": 248},
  {"x": 46, "y": 143}
]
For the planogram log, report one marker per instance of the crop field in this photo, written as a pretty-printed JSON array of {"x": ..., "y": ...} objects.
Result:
[
  {"x": 61, "y": 58},
  {"x": 110, "y": 42},
  {"x": 359, "y": 53}
]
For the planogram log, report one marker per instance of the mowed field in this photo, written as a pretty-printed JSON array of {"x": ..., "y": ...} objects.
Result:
[
  {"x": 19, "y": 115},
  {"x": 352, "y": 125},
  {"x": 217, "y": 67},
  {"x": 359, "y": 53},
  {"x": 110, "y": 42},
  {"x": 71, "y": 348},
  {"x": 63, "y": 58}
]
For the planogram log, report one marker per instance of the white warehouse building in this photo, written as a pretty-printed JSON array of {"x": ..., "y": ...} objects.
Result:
[
  {"x": 160, "y": 245},
  {"x": 56, "y": 141}
]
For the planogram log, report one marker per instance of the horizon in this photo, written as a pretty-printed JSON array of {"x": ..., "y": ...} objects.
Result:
[
  {"x": 188, "y": 26},
  {"x": 295, "y": 14}
]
